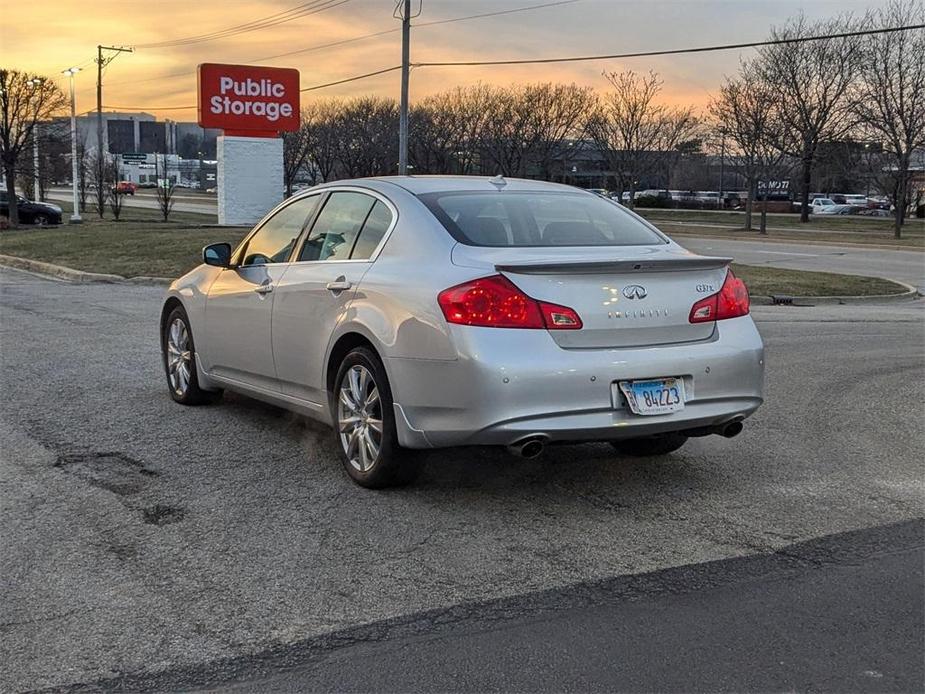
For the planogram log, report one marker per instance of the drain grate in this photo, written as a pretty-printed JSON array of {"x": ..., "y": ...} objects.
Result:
[{"x": 114, "y": 472}]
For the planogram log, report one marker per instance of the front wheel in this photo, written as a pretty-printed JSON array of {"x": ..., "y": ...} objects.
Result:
[
  {"x": 40, "y": 220},
  {"x": 660, "y": 444},
  {"x": 179, "y": 352},
  {"x": 364, "y": 423}
]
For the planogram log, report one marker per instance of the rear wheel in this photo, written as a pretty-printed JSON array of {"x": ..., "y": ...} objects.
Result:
[
  {"x": 364, "y": 423},
  {"x": 660, "y": 444}
]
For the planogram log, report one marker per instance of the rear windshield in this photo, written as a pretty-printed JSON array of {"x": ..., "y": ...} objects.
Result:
[{"x": 508, "y": 218}]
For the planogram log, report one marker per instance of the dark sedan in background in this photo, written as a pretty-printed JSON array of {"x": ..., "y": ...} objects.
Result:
[{"x": 30, "y": 212}]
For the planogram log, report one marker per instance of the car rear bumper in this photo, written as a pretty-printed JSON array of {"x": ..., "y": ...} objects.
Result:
[{"x": 508, "y": 385}]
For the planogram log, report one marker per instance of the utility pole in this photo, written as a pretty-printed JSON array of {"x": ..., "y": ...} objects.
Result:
[
  {"x": 100, "y": 64},
  {"x": 405, "y": 69}
]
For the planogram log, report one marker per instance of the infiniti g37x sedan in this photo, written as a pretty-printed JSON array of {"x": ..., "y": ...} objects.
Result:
[{"x": 423, "y": 312}]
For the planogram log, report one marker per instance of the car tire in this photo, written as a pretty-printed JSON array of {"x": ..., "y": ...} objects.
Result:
[
  {"x": 362, "y": 398},
  {"x": 660, "y": 444},
  {"x": 40, "y": 220},
  {"x": 179, "y": 355}
]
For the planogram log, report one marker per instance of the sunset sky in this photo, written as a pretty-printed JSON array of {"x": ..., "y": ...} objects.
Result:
[{"x": 50, "y": 35}]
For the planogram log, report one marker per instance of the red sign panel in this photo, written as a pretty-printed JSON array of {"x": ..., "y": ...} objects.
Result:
[{"x": 248, "y": 99}]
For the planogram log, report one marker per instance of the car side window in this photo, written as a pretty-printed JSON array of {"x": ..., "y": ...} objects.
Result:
[
  {"x": 273, "y": 242},
  {"x": 377, "y": 223},
  {"x": 337, "y": 226}
]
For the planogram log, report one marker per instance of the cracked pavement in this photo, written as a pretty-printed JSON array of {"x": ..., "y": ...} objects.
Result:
[{"x": 195, "y": 534}]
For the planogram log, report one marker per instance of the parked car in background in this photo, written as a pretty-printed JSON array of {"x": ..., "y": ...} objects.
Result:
[
  {"x": 124, "y": 188},
  {"x": 819, "y": 204},
  {"x": 418, "y": 312},
  {"x": 836, "y": 209},
  {"x": 856, "y": 200},
  {"x": 603, "y": 192},
  {"x": 31, "y": 212},
  {"x": 709, "y": 198},
  {"x": 732, "y": 201},
  {"x": 878, "y": 203},
  {"x": 875, "y": 212}
]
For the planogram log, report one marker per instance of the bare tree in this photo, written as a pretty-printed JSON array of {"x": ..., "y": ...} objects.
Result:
[
  {"x": 295, "y": 150},
  {"x": 746, "y": 113},
  {"x": 558, "y": 114},
  {"x": 165, "y": 186},
  {"x": 446, "y": 130},
  {"x": 366, "y": 144},
  {"x": 99, "y": 173},
  {"x": 633, "y": 131},
  {"x": 891, "y": 93},
  {"x": 115, "y": 194},
  {"x": 25, "y": 99},
  {"x": 812, "y": 81},
  {"x": 508, "y": 133},
  {"x": 320, "y": 118}
]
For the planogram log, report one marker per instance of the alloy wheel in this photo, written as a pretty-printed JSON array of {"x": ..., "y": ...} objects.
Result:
[
  {"x": 359, "y": 417},
  {"x": 179, "y": 356}
]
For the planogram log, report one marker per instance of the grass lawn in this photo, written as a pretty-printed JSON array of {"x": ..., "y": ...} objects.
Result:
[
  {"x": 833, "y": 229},
  {"x": 140, "y": 243},
  {"x": 770, "y": 281},
  {"x": 138, "y": 246}
]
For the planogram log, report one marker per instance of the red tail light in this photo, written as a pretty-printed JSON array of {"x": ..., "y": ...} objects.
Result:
[
  {"x": 496, "y": 302},
  {"x": 729, "y": 302}
]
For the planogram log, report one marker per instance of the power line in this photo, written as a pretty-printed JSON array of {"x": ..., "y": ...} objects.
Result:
[
  {"x": 354, "y": 39},
  {"x": 352, "y": 79},
  {"x": 297, "y": 12},
  {"x": 418, "y": 25},
  {"x": 675, "y": 51}
]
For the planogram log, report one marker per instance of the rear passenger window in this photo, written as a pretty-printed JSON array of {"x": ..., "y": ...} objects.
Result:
[
  {"x": 377, "y": 223},
  {"x": 337, "y": 226}
]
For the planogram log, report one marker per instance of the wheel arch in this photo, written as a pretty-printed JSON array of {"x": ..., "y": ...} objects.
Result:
[
  {"x": 341, "y": 347},
  {"x": 170, "y": 304}
]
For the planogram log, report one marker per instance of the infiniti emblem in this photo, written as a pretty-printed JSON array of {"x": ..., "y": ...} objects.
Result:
[{"x": 634, "y": 291}]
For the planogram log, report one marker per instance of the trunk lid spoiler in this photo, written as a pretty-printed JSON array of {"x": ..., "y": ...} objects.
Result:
[{"x": 595, "y": 267}]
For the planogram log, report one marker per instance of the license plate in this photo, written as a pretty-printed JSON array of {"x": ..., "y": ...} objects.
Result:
[{"x": 654, "y": 396}]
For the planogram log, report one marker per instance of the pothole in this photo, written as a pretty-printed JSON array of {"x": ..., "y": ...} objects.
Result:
[
  {"x": 114, "y": 472},
  {"x": 163, "y": 514}
]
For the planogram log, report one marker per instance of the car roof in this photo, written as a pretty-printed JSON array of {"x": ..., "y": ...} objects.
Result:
[{"x": 418, "y": 185}]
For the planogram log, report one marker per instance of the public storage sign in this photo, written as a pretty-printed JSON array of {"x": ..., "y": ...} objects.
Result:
[{"x": 248, "y": 99}]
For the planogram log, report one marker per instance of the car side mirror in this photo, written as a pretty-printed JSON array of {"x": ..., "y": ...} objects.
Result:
[{"x": 217, "y": 254}]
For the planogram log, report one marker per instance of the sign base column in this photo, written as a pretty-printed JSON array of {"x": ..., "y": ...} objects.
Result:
[{"x": 249, "y": 178}]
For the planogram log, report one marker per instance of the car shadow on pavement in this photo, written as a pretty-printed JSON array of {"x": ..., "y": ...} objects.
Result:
[{"x": 591, "y": 472}]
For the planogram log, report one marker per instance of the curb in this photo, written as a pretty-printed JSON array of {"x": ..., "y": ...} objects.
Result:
[
  {"x": 910, "y": 294},
  {"x": 71, "y": 275}
]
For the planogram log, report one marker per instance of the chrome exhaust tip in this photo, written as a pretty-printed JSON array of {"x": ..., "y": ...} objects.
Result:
[{"x": 528, "y": 448}]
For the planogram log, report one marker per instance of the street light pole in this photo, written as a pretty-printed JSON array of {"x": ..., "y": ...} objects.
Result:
[
  {"x": 75, "y": 215},
  {"x": 36, "y": 182}
]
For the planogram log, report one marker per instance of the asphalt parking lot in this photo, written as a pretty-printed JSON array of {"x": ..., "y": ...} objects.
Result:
[{"x": 141, "y": 536}]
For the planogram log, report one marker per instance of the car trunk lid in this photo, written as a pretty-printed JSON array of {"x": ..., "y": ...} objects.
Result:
[{"x": 626, "y": 296}]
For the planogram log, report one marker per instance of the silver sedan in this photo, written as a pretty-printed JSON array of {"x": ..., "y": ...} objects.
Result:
[{"x": 423, "y": 312}]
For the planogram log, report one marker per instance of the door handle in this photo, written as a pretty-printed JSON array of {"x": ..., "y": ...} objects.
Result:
[
  {"x": 264, "y": 288},
  {"x": 339, "y": 285}
]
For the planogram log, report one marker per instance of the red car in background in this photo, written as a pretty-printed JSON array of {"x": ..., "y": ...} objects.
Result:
[{"x": 124, "y": 188}]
